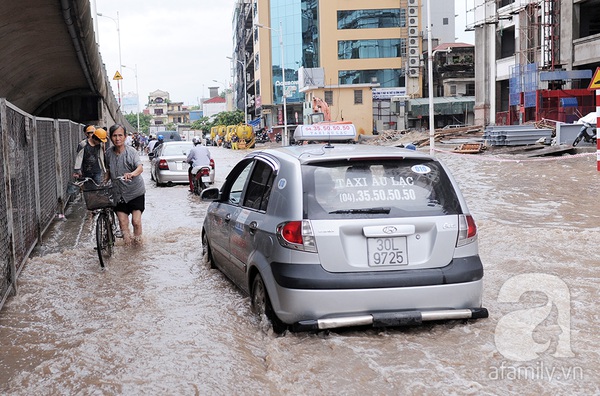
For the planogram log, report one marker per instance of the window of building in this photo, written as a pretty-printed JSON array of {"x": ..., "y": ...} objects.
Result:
[
  {"x": 369, "y": 49},
  {"x": 507, "y": 42},
  {"x": 329, "y": 98},
  {"x": 257, "y": 84},
  {"x": 503, "y": 3},
  {"x": 370, "y": 19},
  {"x": 445, "y": 21},
  {"x": 158, "y": 111},
  {"x": 310, "y": 33},
  {"x": 256, "y": 62},
  {"x": 387, "y": 78},
  {"x": 470, "y": 90},
  {"x": 452, "y": 90},
  {"x": 358, "y": 96},
  {"x": 590, "y": 19}
]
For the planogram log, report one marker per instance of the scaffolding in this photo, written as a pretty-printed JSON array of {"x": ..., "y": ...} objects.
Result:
[{"x": 540, "y": 32}]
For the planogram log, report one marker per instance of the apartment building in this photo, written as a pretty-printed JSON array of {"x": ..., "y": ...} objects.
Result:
[
  {"x": 158, "y": 106},
  {"x": 353, "y": 54}
]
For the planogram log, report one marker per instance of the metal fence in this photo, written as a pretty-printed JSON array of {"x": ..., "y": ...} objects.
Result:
[{"x": 37, "y": 157}]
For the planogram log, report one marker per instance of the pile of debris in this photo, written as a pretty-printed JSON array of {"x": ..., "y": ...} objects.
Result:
[{"x": 420, "y": 139}]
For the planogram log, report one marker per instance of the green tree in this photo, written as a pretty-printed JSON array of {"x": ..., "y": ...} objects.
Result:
[
  {"x": 228, "y": 118},
  {"x": 203, "y": 124},
  {"x": 144, "y": 121}
]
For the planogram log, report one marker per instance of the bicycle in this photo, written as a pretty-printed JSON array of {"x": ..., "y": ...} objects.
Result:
[{"x": 99, "y": 199}]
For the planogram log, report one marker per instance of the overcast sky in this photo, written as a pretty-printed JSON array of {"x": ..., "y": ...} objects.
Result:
[{"x": 179, "y": 46}]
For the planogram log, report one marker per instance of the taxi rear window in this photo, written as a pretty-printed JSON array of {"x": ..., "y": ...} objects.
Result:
[
  {"x": 177, "y": 149},
  {"x": 377, "y": 189}
]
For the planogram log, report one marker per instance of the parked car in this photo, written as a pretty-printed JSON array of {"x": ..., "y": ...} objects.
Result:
[
  {"x": 168, "y": 164},
  {"x": 344, "y": 235},
  {"x": 170, "y": 136}
]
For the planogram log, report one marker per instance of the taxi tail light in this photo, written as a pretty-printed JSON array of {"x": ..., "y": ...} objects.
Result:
[
  {"x": 212, "y": 163},
  {"x": 162, "y": 164},
  {"x": 467, "y": 230},
  {"x": 297, "y": 235}
]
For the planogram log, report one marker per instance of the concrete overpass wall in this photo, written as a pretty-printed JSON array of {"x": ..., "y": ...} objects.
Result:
[{"x": 50, "y": 64}]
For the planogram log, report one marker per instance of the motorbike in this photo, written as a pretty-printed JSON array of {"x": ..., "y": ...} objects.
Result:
[
  {"x": 583, "y": 134},
  {"x": 262, "y": 137},
  {"x": 200, "y": 178}
]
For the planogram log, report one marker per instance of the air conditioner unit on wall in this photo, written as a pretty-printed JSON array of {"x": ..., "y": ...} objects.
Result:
[
  {"x": 413, "y": 22},
  {"x": 413, "y": 42},
  {"x": 413, "y": 72},
  {"x": 413, "y": 51},
  {"x": 413, "y": 3},
  {"x": 413, "y": 32},
  {"x": 413, "y": 11},
  {"x": 413, "y": 61}
]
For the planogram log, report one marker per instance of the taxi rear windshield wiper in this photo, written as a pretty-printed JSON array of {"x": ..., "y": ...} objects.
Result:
[{"x": 366, "y": 210}]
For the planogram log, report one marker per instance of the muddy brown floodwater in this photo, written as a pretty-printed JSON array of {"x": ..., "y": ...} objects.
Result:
[{"x": 159, "y": 322}]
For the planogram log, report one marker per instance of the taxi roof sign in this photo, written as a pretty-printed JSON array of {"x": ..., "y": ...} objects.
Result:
[
  {"x": 595, "y": 82},
  {"x": 118, "y": 76},
  {"x": 325, "y": 131}
]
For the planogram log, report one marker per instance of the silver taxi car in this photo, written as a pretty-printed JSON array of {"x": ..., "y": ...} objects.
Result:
[{"x": 337, "y": 235}]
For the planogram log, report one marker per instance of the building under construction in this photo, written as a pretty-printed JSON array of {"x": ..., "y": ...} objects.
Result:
[{"x": 534, "y": 59}]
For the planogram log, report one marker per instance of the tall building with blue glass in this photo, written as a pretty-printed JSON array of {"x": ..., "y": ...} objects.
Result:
[{"x": 347, "y": 53}]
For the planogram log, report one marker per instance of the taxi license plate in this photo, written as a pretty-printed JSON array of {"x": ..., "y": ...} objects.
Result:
[{"x": 387, "y": 251}]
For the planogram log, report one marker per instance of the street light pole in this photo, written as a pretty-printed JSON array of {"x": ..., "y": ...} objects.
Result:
[
  {"x": 119, "y": 38},
  {"x": 137, "y": 93},
  {"x": 223, "y": 84},
  {"x": 430, "y": 82},
  {"x": 245, "y": 88},
  {"x": 284, "y": 138}
]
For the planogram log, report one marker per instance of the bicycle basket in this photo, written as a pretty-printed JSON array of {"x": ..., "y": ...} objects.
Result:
[{"x": 99, "y": 197}]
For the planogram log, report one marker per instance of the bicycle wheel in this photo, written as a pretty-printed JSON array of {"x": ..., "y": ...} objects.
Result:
[{"x": 104, "y": 238}]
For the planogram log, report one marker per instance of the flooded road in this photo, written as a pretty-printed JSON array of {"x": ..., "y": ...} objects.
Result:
[{"x": 158, "y": 322}]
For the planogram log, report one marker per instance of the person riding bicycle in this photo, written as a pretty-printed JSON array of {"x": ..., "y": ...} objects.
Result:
[
  {"x": 90, "y": 159},
  {"x": 199, "y": 155},
  {"x": 126, "y": 173}
]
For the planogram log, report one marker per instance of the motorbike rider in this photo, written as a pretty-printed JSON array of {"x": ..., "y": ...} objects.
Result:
[
  {"x": 199, "y": 155},
  {"x": 160, "y": 139},
  {"x": 583, "y": 134}
]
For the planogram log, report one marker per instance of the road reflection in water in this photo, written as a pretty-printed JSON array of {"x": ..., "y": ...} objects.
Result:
[{"x": 157, "y": 321}]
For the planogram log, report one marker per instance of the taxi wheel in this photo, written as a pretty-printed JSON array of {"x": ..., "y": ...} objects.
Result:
[
  {"x": 206, "y": 252},
  {"x": 261, "y": 304}
]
